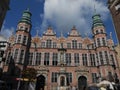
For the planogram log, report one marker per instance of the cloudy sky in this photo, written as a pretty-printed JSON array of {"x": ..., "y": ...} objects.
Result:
[{"x": 62, "y": 15}]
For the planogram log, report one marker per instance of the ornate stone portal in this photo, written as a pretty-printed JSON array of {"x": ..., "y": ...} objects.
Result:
[{"x": 42, "y": 71}]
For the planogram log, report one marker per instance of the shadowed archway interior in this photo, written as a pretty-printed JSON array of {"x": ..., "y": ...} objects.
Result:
[
  {"x": 82, "y": 82},
  {"x": 40, "y": 83}
]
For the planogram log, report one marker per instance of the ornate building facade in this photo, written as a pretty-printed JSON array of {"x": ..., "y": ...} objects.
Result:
[
  {"x": 114, "y": 7},
  {"x": 63, "y": 61},
  {"x": 4, "y": 6}
]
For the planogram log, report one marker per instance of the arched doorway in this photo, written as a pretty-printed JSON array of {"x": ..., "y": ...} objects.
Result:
[
  {"x": 62, "y": 81},
  {"x": 82, "y": 82},
  {"x": 40, "y": 83}
]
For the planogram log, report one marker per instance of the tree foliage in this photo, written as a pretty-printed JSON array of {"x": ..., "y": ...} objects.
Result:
[{"x": 29, "y": 73}]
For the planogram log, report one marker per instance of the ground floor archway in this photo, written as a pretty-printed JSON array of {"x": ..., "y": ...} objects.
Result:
[
  {"x": 82, "y": 82},
  {"x": 40, "y": 83}
]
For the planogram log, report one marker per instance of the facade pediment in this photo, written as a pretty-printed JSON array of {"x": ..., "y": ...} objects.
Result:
[
  {"x": 82, "y": 69},
  {"x": 41, "y": 68}
]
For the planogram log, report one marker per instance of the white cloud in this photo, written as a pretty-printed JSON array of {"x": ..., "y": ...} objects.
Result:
[
  {"x": 6, "y": 32},
  {"x": 63, "y": 14}
]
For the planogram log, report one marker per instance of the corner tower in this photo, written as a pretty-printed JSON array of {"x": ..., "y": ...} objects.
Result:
[
  {"x": 23, "y": 38},
  {"x": 102, "y": 49}
]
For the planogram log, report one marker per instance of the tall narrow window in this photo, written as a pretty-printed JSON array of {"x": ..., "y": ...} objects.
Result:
[
  {"x": 54, "y": 77},
  {"x": 54, "y": 45},
  {"x": 69, "y": 77},
  {"x": 68, "y": 59},
  {"x": 48, "y": 44},
  {"x": 21, "y": 57},
  {"x": 103, "y": 40},
  {"x": 92, "y": 59},
  {"x": 98, "y": 42},
  {"x": 101, "y": 58},
  {"x": 46, "y": 59},
  {"x": 19, "y": 39},
  {"x": 106, "y": 57},
  {"x": 55, "y": 58},
  {"x": 110, "y": 75},
  {"x": 16, "y": 55},
  {"x": 76, "y": 58},
  {"x": 24, "y": 39},
  {"x": 30, "y": 58},
  {"x": 38, "y": 58},
  {"x": 94, "y": 77},
  {"x": 112, "y": 59},
  {"x": 84, "y": 58},
  {"x": 74, "y": 44},
  {"x": 68, "y": 45}
]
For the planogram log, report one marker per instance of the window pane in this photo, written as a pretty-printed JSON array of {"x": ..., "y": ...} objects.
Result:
[
  {"x": 76, "y": 58},
  {"x": 38, "y": 58},
  {"x": 46, "y": 59},
  {"x": 55, "y": 58}
]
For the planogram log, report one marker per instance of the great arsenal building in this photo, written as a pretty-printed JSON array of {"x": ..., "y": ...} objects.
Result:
[{"x": 63, "y": 61}]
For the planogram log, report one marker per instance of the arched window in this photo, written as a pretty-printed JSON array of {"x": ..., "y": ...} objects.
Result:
[
  {"x": 62, "y": 81},
  {"x": 97, "y": 32},
  {"x": 101, "y": 31}
]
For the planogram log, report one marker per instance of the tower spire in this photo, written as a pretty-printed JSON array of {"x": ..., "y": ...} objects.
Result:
[
  {"x": 94, "y": 8},
  {"x": 37, "y": 32},
  {"x": 26, "y": 17},
  {"x": 61, "y": 34},
  {"x": 110, "y": 35}
]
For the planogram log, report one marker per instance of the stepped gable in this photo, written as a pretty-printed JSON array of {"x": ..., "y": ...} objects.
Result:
[
  {"x": 74, "y": 32},
  {"x": 49, "y": 32}
]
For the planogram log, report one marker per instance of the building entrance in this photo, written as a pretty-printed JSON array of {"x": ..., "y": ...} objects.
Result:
[
  {"x": 82, "y": 82},
  {"x": 40, "y": 83},
  {"x": 62, "y": 81}
]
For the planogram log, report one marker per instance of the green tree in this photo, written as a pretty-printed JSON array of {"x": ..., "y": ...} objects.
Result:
[{"x": 30, "y": 74}]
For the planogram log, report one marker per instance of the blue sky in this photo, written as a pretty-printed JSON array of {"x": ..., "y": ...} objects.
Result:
[{"x": 60, "y": 14}]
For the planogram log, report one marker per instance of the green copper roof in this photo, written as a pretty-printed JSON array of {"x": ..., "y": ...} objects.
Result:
[
  {"x": 97, "y": 21},
  {"x": 26, "y": 17}
]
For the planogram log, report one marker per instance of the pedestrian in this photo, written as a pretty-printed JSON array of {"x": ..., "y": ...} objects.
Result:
[
  {"x": 117, "y": 83},
  {"x": 105, "y": 84}
]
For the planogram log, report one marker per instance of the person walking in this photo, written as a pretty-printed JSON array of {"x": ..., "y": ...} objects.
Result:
[{"x": 105, "y": 84}]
